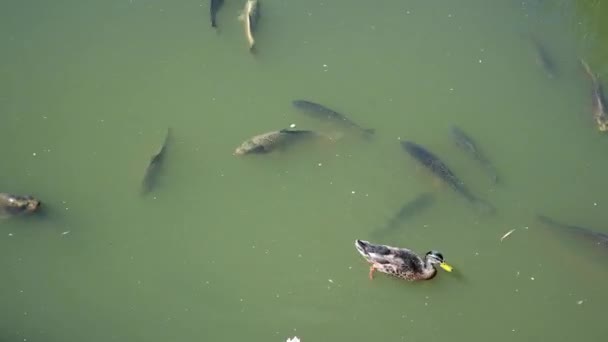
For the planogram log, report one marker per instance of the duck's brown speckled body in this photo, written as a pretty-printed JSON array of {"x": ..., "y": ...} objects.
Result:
[{"x": 400, "y": 262}]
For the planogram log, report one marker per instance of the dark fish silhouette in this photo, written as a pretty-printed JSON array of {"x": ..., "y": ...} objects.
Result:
[
  {"x": 266, "y": 142},
  {"x": 599, "y": 238},
  {"x": 543, "y": 58},
  {"x": 155, "y": 165},
  {"x": 407, "y": 211},
  {"x": 319, "y": 111},
  {"x": 441, "y": 170},
  {"x": 214, "y": 7},
  {"x": 466, "y": 143},
  {"x": 598, "y": 99}
]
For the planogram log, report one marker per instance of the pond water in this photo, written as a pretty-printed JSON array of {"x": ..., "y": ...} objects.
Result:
[{"x": 261, "y": 247}]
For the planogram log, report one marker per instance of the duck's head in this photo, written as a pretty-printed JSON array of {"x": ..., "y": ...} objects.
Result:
[{"x": 436, "y": 258}]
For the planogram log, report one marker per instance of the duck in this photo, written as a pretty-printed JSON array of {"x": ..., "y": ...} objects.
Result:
[{"x": 401, "y": 262}]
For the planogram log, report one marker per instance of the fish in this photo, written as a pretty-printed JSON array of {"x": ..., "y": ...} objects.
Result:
[
  {"x": 321, "y": 112},
  {"x": 14, "y": 205},
  {"x": 507, "y": 234},
  {"x": 598, "y": 99},
  {"x": 599, "y": 238},
  {"x": 543, "y": 58},
  {"x": 407, "y": 211},
  {"x": 214, "y": 7},
  {"x": 155, "y": 165},
  {"x": 250, "y": 18},
  {"x": 466, "y": 143},
  {"x": 440, "y": 169},
  {"x": 267, "y": 142}
]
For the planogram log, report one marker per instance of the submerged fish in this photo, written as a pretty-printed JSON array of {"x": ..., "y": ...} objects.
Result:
[
  {"x": 267, "y": 142},
  {"x": 153, "y": 169},
  {"x": 250, "y": 17},
  {"x": 543, "y": 58},
  {"x": 321, "y": 112},
  {"x": 13, "y": 205},
  {"x": 598, "y": 99},
  {"x": 596, "y": 237},
  {"x": 466, "y": 143},
  {"x": 409, "y": 209},
  {"x": 440, "y": 169},
  {"x": 214, "y": 7}
]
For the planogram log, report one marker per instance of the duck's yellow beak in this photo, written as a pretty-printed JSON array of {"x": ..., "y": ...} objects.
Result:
[{"x": 446, "y": 267}]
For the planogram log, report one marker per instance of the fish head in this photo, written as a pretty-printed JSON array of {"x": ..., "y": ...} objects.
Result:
[
  {"x": 436, "y": 258},
  {"x": 602, "y": 125},
  {"x": 244, "y": 148},
  {"x": 249, "y": 146},
  {"x": 33, "y": 204},
  {"x": 24, "y": 203}
]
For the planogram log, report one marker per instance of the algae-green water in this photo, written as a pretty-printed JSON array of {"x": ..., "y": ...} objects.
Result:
[{"x": 261, "y": 247}]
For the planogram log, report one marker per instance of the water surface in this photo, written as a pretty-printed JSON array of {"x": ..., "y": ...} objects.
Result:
[{"x": 261, "y": 248}]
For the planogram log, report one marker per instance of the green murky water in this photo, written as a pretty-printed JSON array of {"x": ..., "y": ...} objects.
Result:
[{"x": 261, "y": 248}]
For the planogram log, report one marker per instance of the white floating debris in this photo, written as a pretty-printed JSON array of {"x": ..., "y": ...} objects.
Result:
[
  {"x": 480, "y": 61},
  {"x": 293, "y": 339},
  {"x": 330, "y": 280},
  {"x": 507, "y": 234},
  {"x": 580, "y": 302},
  {"x": 292, "y": 125},
  {"x": 595, "y": 204},
  {"x": 320, "y": 164},
  {"x": 531, "y": 278},
  {"x": 10, "y": 234},
  {"x": 66, "y": 232},
  {"x": 352, "y": 192},
  {"x": 34, "y": 154}
]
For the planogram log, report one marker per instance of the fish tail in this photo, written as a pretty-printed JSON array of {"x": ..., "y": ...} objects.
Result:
[
  {"x": 491, "y": 171},
  {"x": 546, "y": 220},
  {"x": 483, "y": 206},
  {"x": 587, "y": 69},
  {"x": 168, "y": 136}
]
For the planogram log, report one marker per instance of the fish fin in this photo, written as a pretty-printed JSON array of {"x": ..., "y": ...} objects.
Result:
[
  {"x": 259, "y": 149},
  {"x": 484, "y": 207},
  {"x": 294, "y": 131},
  {"x": 588, "y": 70}
]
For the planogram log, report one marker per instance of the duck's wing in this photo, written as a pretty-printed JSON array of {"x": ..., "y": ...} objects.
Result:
[
  {"x": 399, "y": 257},
  {"x": 407, "y": 260}
]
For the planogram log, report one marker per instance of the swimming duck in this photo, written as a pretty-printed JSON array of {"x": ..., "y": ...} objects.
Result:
[{"x": 400, "y": 262}]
